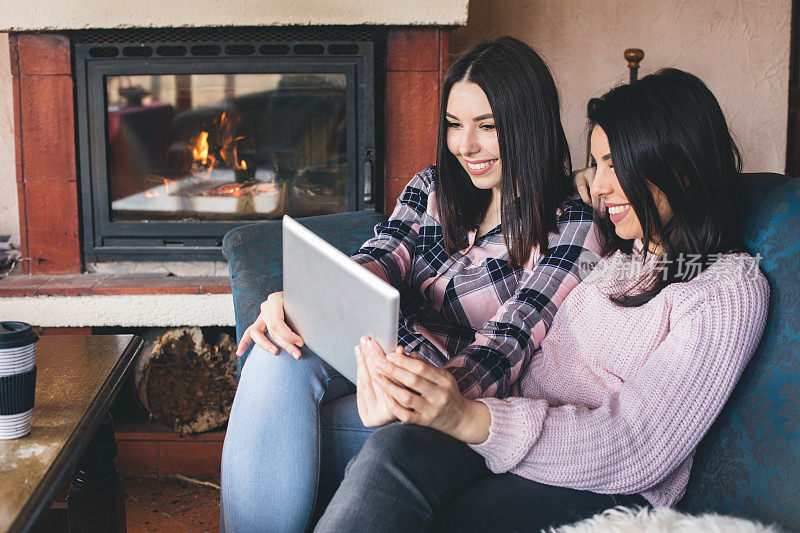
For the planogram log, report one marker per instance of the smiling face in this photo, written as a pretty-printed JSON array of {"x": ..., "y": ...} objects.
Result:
[
  {"x": 472, "y": 136},
  {"x": 606, "y": 187}
]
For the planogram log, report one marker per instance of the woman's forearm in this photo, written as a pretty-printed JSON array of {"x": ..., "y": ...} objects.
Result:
[{"x": 473, "y": 427}]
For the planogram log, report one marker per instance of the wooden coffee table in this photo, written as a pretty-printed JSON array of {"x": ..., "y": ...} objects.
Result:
[{"x": 77, "y": 378}]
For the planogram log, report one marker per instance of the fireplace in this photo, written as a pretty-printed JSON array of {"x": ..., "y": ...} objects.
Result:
[
  {"x": 186, "y": 134},
  {"x": 52, "y": 172}
]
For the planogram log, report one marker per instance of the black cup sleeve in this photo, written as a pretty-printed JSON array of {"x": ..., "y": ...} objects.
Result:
[{"x": 17, "y": 392}]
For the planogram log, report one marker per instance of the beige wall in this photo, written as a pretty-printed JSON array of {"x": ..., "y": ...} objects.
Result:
[
  {"x": 9, "y": 215},
  {"x": 740, "y": 48}
]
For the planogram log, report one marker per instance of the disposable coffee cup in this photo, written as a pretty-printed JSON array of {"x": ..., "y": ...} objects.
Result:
[{"x": 17, "y": 378}]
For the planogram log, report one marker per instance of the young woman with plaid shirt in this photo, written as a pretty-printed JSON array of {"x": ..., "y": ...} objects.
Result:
[{"x": 484, "y": 247}]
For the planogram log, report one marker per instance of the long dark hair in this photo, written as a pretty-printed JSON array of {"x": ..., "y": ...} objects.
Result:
[
  {"x": 667, "y": 129},
  {"x": 533, "y": 150}
]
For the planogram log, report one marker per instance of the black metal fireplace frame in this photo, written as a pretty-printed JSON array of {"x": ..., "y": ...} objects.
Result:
[{"x": 105, "y": 239}]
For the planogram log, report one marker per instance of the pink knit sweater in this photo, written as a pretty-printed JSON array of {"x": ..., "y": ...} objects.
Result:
[{"x": 617, "y": 399}]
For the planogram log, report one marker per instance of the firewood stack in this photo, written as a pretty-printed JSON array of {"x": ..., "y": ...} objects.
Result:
[{"x": 186, "y": 382}]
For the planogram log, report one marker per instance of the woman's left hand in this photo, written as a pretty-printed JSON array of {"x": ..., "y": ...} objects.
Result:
[
  {"x": 583, "y": 179},
  {"x": 420, "y": 393},
  {"x": 373, "y": 407}
]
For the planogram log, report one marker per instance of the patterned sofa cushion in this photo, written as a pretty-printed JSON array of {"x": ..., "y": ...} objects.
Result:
[{"x": 749, "y": 463}]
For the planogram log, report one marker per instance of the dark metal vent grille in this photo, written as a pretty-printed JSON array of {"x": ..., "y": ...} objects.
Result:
[
  {"x": 302, "y": 48},
  {"x": 221, "y": 34}
]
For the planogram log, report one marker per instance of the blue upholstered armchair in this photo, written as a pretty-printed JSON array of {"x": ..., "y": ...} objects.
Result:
[{"x": 749, "y": 463}]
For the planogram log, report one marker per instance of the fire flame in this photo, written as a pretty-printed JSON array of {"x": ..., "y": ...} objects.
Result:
[
  {"x": 234, "y": 191},
  {"x": 239, "y": 164},
  {"x": 200, "y": 150},
  {"x": 223, "y": 145},
  {"x": 154, "y": 192}
]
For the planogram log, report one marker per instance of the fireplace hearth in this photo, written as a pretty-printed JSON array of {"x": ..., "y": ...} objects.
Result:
[{"x": 183, "y": 140}]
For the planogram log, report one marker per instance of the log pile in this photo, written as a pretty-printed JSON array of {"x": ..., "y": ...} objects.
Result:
[{"x": 187, "y": 382}]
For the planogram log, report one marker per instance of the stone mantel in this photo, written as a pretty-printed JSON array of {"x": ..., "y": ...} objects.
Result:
[
  {"x": 33, "y": 15},
  {"x": 117, "y": 300},
  {"x": 128, "y": 310}
]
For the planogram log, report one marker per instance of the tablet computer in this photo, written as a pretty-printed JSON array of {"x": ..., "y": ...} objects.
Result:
[{"x": 331, "y": 301}]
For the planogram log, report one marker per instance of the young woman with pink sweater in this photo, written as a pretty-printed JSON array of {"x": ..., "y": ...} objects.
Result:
[{"x": 637, "y": 364}]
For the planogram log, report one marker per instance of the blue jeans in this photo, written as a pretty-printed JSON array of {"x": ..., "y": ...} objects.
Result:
[{"x": 293, "y": 427}]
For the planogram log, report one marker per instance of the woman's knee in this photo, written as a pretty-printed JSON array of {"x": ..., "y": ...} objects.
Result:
[
  {"x": 395, "y": 445},
  {"x": 267, "y": 376},
  {"x": 392, "y": 441}
]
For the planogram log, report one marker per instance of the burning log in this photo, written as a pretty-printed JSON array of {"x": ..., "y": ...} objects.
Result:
[{"x": 186, "y": 382}]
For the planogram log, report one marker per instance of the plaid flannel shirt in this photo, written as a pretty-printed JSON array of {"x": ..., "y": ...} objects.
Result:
[{"x": 472, "y": 312}]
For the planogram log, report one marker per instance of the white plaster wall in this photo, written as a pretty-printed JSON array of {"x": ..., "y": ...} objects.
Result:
[
  {"x": 20, "y": 15},
  {"x": 9, "y": 212},
  {"x": 740, "y": 48},
  {"x": 121, "y": 310}
]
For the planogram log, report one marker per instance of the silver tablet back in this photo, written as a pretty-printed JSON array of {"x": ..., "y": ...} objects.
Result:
[{"x": 331, "y": 301}]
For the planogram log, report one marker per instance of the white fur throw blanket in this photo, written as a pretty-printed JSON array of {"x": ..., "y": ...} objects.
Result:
[{"x": 662, "y": 520}]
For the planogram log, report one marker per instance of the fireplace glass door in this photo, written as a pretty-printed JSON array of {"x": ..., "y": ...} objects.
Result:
[
  {"x": 182, "y": 142},
  {"x": 226, "y": 146}
]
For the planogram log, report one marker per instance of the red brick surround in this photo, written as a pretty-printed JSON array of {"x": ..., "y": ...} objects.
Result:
[
  {"x": 44, "y": 121},
  {"x": 416, "y": 62}
]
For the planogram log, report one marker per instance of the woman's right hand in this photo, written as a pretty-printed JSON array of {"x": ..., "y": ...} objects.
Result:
[{"x": 272, "y": 320}]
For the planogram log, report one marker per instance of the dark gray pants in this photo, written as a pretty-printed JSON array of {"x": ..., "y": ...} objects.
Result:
[{"x": 412, "y": 478}]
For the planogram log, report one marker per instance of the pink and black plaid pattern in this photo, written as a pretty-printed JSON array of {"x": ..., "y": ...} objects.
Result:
[{"x": 472, "y": 312}]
